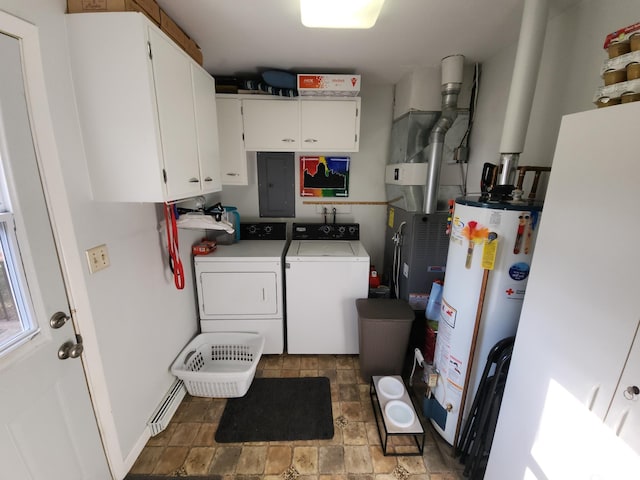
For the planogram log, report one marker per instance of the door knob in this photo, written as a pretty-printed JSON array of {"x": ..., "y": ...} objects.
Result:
[
  {"x": 58, "y": 319},
  {"x": 71, "y": 349},
  {"x": 631, "y": 392}
]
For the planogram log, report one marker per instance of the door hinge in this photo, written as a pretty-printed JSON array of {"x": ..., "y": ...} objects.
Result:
[
  {"x": 149, "y": 49},
  {"x": 164, "y": 175},
  {"x": 357, "y": 112}
]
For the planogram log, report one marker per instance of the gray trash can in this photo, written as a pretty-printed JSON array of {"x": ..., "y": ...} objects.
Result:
[{"x": 384, "y": 326}]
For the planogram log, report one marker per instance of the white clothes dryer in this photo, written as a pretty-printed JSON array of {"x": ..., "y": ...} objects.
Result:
[{"x": 240, "y": 287}]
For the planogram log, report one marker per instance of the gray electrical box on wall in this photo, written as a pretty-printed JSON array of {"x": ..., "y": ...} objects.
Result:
[{"x": 276, "y": 184}]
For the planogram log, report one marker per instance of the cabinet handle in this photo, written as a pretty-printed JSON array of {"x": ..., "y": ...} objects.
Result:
[
  {"x": 592, "y": 397},
  {"x": 311, "y": 140},
  {"x": 208, "y": 179},
  {"x": 232, "y": 174},
  {"x": 288, "y": 140},
  {"x": 194, "y": 180}
]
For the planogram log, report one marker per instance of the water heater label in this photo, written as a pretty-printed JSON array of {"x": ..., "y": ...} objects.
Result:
[
  {"x": 519, "y": 271},
  {"x": 448, "y": 313},
  {"x": 514, "y": 292}
]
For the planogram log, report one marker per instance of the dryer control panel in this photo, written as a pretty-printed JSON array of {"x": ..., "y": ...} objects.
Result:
[
  {"x": 325, "y": 231},
  {"x": 263, "y": 231}
]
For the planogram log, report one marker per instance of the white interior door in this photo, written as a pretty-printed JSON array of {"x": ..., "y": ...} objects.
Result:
[{"x": 47, "y": 426}]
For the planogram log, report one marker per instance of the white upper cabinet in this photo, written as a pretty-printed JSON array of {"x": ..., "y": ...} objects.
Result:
[
  {"x": 329, "y": 125},
  {"x": 147, "y": 110},
  {"x": 304, "y": 125},
  {"x": 271, "y": 125},
  {"x": 176, "y": 114},
  {"x": 233, "y": 158},
  {"x": 204, "y": 98}
]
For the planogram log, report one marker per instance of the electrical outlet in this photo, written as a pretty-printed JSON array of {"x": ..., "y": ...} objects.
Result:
[{"x": 97, "y": 258}]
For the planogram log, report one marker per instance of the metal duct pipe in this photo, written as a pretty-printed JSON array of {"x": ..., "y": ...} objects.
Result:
[
  {"x": 523, "y": 85},
  {"x": 452, "y": 68}
]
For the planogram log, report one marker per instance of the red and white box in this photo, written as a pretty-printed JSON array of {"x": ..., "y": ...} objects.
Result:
[
  {"x": 329, "y": 85},
  {"x": 622, "y": 35}
]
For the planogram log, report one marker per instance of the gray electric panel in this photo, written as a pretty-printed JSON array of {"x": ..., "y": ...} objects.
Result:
[{"x": 276, "y": 184}]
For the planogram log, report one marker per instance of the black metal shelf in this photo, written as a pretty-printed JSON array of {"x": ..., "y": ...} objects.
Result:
[{"x": 416, "y": 430}]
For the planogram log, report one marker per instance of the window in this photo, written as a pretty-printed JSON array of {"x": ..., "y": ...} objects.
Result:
[{"x": 16, "y": 320}]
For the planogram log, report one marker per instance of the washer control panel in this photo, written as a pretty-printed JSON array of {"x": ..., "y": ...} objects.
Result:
[{"x": 325, "y": 231}]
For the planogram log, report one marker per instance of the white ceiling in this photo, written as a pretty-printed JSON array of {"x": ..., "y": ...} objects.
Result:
[{"x": 249, "y": 36}]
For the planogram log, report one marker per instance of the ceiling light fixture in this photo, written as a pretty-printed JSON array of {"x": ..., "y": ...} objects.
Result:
[{"x": 340, "y": 13}]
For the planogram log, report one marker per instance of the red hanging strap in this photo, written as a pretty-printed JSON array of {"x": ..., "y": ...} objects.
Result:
[{"x": 172, "y": 246}]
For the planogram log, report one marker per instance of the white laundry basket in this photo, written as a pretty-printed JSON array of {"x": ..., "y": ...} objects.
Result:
[{"x": 219, "y": 364}]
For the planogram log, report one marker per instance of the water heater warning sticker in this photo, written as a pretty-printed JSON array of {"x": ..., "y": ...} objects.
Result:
[{"x": 448, "y": 313}]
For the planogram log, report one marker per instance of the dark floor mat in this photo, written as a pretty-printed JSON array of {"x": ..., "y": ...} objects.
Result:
[{"x": 279, "y": 409}]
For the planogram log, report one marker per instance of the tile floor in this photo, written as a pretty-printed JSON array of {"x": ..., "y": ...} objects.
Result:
[{"x": 187, "y": 446}]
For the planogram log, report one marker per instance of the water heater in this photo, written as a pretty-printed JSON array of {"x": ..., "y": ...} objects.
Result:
[{"x": 490, "y": 252}]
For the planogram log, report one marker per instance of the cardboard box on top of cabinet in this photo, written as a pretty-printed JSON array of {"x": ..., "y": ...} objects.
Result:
[
  {"x": 193, "y": 50},
  {"x": 171, "y": 28},
  {"x": 332, "y": 85},
  {"x": 149, "y": 7},
  {"x": 178, "y": 35}
]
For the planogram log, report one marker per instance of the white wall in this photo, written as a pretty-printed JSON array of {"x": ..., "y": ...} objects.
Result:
[
  {"x": 142, "y": 321},
  {"x": 568, "y": 77},
  {"x": 366, "y": 178}
]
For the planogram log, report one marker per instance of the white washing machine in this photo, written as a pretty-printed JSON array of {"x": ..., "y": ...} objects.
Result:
[
  {"x": 326, "y": 271},
  {"x": 240, "y": 287}
]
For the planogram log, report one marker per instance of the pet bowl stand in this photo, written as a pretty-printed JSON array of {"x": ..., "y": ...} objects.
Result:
[{"x": 384, "y": 424}]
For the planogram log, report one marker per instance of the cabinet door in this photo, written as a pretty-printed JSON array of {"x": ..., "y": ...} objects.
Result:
[
  {"x": 271, "y": 125},
  {"x": 624, "y": 413},
  {"x": 172, "y": 80},
  {"x": 233, "y": 158},
  {"x": 238, "y": 293},
  {"x": 327, "y": 125},
  {"x": 204, "y": 97}
]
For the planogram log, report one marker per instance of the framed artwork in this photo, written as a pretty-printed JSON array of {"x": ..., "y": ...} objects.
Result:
[{"x": 324, "y": 176}]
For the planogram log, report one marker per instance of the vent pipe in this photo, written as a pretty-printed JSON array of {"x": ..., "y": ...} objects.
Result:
[
  {"x": 452, "y": 69},
  {"x": 523, "y": 85}
]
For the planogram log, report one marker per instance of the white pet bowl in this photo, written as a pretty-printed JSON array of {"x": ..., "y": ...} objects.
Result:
[
  {"x": 399, "y": 413},
  {"x": 390, "y": 387}
]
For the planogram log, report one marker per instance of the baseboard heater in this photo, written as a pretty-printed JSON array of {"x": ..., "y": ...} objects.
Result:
[{"x": 168, "y": 406}]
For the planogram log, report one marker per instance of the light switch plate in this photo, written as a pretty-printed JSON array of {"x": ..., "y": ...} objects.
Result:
[{"x": 97, "y": 258}]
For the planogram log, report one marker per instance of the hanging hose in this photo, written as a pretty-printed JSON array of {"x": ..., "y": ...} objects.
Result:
[
  {"x": 172, "y": 246},
  {"x": 397, "y": 250}
]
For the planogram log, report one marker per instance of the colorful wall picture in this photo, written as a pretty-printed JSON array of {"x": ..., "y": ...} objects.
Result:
[{"x": 324, "y": 176}]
